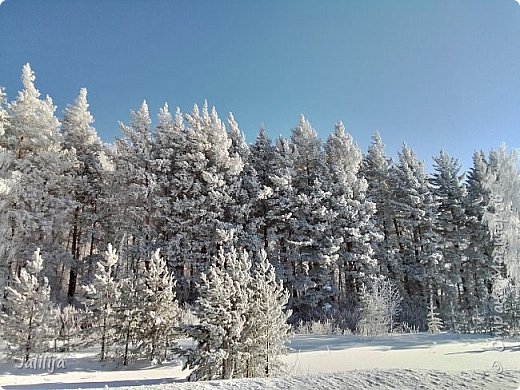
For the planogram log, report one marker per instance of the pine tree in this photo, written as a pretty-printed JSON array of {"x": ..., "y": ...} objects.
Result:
[
  {"x": 40, "y": 203},
  {"x": 376, "y": 169},
  {"x": 417, "y": 249},
  {"x": 478, "y": 272},
  {"x": 503, "y": 183},
  {"x": 161, "y": 312},
  {"x": 87, "y": 175},
  {"x": 311, "y": 249},
  {"x": 32, "y": 125},
  {"x": 243, "y": 325},
  {"x": 129, "y": 316},
  {"x": 28, "y": 311},
  {"x": 202, "y": 180},
  {"x": 67, "y": 327},
  {"x": 262, "y": 160},
  {"x": 222, "y": 306},
  {"x": 244, "y": 190},
  {"x": 266, "y": 330},
  {"x": 306, "y": 156},
  {"x": 315, "y": 254},
  {"x": 502, "y": 180},
  {"x": 133, "y": 184},
  {"x": 352, "y": 225},
  {"x": 450, "y": 224},
  {"x": 169, "y": 142},
  {"x": 99, "y": 300}
]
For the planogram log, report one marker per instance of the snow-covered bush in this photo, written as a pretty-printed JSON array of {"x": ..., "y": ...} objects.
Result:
[
  {"x": 405, "y": 327},
  {"x": 324, "y": 327},
  {"x": 380, "y": 306},
  {"x": 67, "y": 328}
]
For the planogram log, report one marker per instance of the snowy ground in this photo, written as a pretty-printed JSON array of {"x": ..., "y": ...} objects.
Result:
[{"x": 318, "y": 362}]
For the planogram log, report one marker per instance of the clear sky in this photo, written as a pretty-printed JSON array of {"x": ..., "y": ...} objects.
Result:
[{"x": 434, "y": 73}]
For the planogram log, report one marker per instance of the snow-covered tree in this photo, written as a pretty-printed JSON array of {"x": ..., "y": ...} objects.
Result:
[
  {"x": 6, "y": 245},
  {"x": 306, "y": 156},
  {"x": 352, "y": 223},
  {"x": 87, "y": 186},
  {"x": 450, "y": 225},
  {"x": 161, "y": 311},
  {"x": 100, "y": 297},
  {"x": 433, "y": 320},
  {"x": 204, "y": 170},
  {"x": 262, "y": 160},
  {"x": 380, "y": 306},
  {"x": 40, "y": 203},
  {"x": 170, "y": 140},
  {"x": 242, "y": 329},
  {"x": 477, "y": 272},
  {"x": 502, "y": 180},
  {"x": 503, "y": 183},
  {"x": 134, "y": 183},
  {"x": 32, "y": 125},
  {"x": 145, "y": 312},
  {"x": 376, "y": 169},
  {"x": 305, "y": 250},
  {"x": 3, "y": 116},
  {"x": 244, "y": 189},
  {"x": 28, "y": 311},
  {"x": 417, "y": 252},
  {"x": 66, "y": 323},
  {"x": 129, "y": 315},
  {"x": 266, "y": 330},
  {"x": 222, "y": 306}
]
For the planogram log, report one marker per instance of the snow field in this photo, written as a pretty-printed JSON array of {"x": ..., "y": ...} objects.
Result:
[{"x": 408, "y": 361}]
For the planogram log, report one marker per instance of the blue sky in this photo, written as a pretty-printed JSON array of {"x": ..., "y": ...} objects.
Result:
[{"x": 434, "y": 73}]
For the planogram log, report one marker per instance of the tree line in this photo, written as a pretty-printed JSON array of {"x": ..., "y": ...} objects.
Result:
[{"x": 333, "y": 222}]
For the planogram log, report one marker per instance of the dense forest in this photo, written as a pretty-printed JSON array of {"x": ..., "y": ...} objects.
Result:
[{"x": 332, "y": 233}]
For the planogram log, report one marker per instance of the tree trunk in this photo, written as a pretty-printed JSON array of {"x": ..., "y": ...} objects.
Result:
[{"x": 73, "y": 275}]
